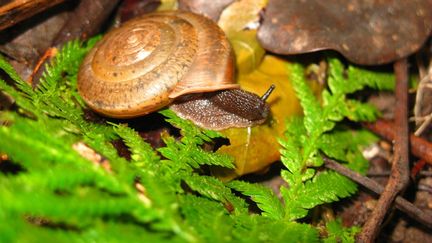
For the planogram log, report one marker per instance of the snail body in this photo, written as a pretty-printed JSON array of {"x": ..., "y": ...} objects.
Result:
[{"x": 161, "y": 58}]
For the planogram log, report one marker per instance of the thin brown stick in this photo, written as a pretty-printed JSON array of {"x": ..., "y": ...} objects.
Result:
[
  {"x": 51, "y": 52},
  {"x": 402, "y": 204},
  {"x": 419, "y": 146},
  {"x": 419, "y": 93},
  {"x": 387, "y": 173},
  {"x": 399, "y": 172},
  {"x": 425, "y": 78},
  {"x": 425, "y": 124}
]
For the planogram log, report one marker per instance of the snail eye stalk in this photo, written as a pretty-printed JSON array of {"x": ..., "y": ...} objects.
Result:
[{"x": 268, "y": 92}]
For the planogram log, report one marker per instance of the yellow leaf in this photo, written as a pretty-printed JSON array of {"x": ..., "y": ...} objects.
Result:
[
  {"x": 167, "y": 5},
  {"x": 241, "y": 15},
  {"x": 248, "y": 51}
]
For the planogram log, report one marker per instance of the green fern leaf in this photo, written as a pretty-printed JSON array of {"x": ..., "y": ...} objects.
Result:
[
  {"x": 256, "y": 228},
  {"x": 10, "y": 71},
  {"x": 23, "y": 95},
  {"x": 263, "y": 196},
  {"x": 215, "y": 189},
  {"x": 188, "y": 149},
  {"x": 190, "y": 130},
  {"x": 358, "y": 111},
  {"x": 325, "y": 187},
  {"x": 313, "y": 120},
  {"x": 208, "y": 217},
  {"x": 371, "y": 78},
  {"x": 337, "y": 233},
  {"x": 142, "y": 153}
]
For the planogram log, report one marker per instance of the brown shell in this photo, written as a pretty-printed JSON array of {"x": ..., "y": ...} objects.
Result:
[{"x": 151, "y": 60}]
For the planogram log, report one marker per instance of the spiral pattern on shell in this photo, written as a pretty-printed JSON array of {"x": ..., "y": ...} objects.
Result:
[{"x": 149, "y": 61}]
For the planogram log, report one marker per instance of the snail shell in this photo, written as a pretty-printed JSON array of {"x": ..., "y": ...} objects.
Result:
[{"x": 151, "y": 60}]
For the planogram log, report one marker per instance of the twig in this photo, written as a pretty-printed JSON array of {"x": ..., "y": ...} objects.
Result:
[
  {"x": 419, "y": 91},
  {"x": 51, "y": 52},
  {"x": 424, "y": 125},
  {"x": 424, "y": 187},
  {"x": 399, "y": 172},
  {"x": 419, "y": 146},
  {"x": 425, "y": 78},
  {"x": 417, "y": 168},
  {"x": 402, "y": 204},
  {"x": 387, "y": 173}
]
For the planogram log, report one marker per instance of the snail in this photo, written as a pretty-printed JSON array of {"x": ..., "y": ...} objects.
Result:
[{"x": 171, "y": 58}]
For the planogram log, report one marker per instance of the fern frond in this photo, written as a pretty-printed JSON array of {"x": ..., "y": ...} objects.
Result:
[
  {"x": 262, "y": 229},
  {"x": 307, "y": 138},
  {"x": 325, "y": 187},
  {"x": 189, "y": 130},
  {"x": 141, "y": 152},
  {"x": 188, "y": 149},
  {"x": 66, "y": 61},
  {"x": 23, "y": 95},
  {"x": 208, "y": 217},
  {"x": 367, "y": 78},
  {"x": 215, "y": 189},
  {"x": 337, "y": 233},
  {"x": 67, "y": 208},
  {"x": 313, "y": 117},
  {"x": 263, "y": 196},
  {"x": 38, "y": 145},
  {"x": 209, "y": 186},
  {"x": 20, "y": 84}
]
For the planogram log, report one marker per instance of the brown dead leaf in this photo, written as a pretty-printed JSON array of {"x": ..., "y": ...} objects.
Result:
[
  {"x": 365, "y": 32},
  {"x": 27, "y": 41}
]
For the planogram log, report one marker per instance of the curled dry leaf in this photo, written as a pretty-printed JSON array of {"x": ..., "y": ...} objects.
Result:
[{"x": 365, "y": 32}]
